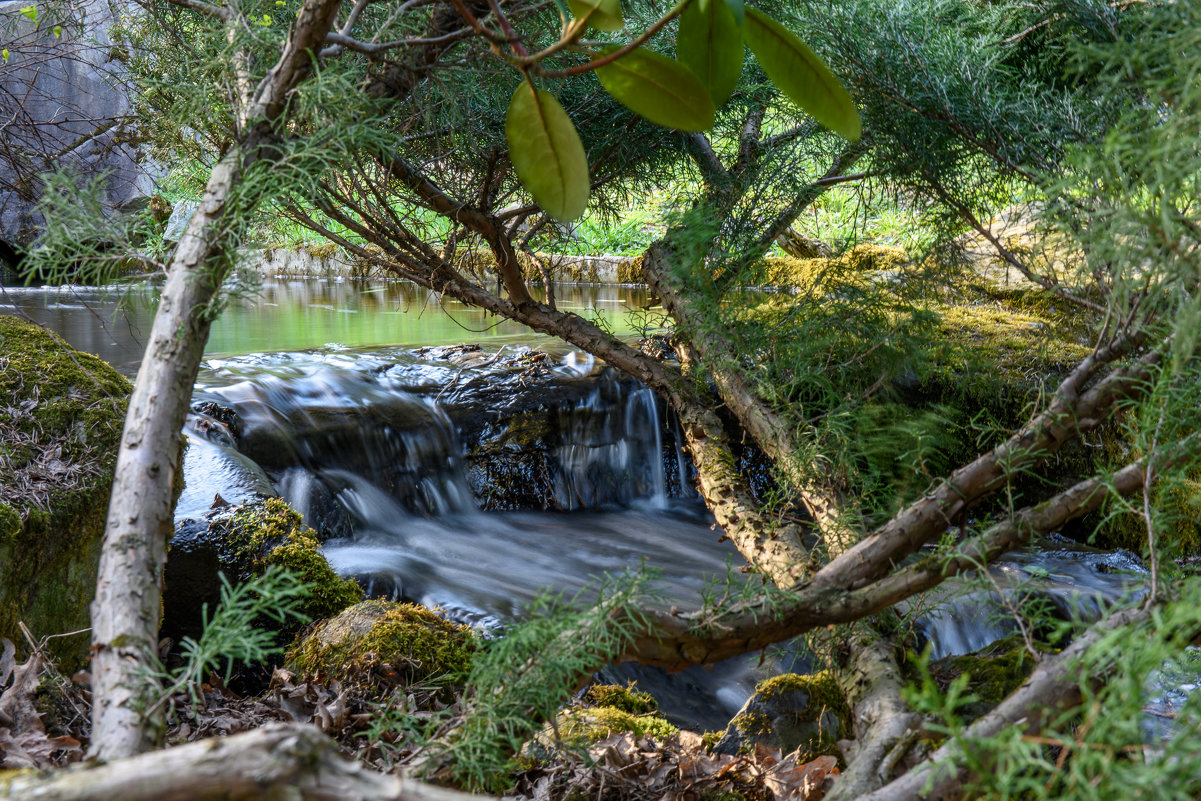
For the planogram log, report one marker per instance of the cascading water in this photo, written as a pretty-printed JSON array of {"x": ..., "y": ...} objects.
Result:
[
  {"x": 393, "y": 457},
  {"x": 612, "y": 452},
  {"x": 380, "y": 453},
  {"x": 1069, "y": 581}
]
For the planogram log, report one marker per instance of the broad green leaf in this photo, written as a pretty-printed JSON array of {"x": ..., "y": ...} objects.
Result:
[
  {"x": 710, "y": 44},
  {"x": 660, "y": 89},
  {"x": 739, "y": 10},
  {"x": 605, "y": 14},
  {"x": 801, "y": 75},
  {"x": 547, "y": 153},
  {"x": 4, "y": 53},
  {"x": 58, "y": 31},
  {"x": 30, "y": 13}
]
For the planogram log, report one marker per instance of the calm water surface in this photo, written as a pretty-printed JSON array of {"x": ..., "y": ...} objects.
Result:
[{"x": 285, "y": 315}]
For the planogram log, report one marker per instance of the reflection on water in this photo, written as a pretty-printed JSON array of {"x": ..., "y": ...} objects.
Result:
[{"x": 295, "y": 314}]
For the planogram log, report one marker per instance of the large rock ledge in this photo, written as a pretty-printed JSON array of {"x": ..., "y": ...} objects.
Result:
[{"x": 61, "y": 413}]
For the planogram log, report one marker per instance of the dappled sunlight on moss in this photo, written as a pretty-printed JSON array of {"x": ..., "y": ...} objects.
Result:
[
  {"x": 381, "y": 644},
  {"x": 272, "y": 533}
]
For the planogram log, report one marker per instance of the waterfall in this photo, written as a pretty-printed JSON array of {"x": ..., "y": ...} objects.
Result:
[{"x": 611, "y": 451}]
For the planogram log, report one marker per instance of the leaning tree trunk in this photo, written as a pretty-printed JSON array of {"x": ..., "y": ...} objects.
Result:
[{"x": 125, "y": 614}]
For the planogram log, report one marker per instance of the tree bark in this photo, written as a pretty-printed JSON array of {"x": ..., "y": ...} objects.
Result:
[
  {"x": 125, "y": 613},
  {"x": 291, "y": 761}
]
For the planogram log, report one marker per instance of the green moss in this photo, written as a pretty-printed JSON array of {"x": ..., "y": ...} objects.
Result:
[
  {"x": 272, "y": 533},
  {"x": 752, "y": 723},
  {"x": 1176, "y": 504},
  {"x": 320, "y": 250},
  {"x": 61, "y": 416},
  {"x": 627, "y": 699},
  {"x": 854, "y": 266},
  {"x": 10, "y": 523},
  {"x": 710, "y": 738},
  {"x": 993, "y": 673},
  {"x": 1013, "y": 346},
  {"x": 823, "y": 691},
  {"x": 629, "y": 271},
  {"x": 791, "y": 712},
  {"x": 382, "y": 643},
  {"x": 584, "y": 726}
]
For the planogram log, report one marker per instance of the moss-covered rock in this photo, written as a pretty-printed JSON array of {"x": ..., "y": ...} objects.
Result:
[
  {"x": 382, "y": 644},
  {"x": 627, "y": 699},
  {"x": 993, "y": 673},
  {"x": 61, "y": 414},
  {"x": 269, "y": 532},
  {"x": 790, "y": 712},
  {"x": 858, "y": 264},
  {"x": 584, "y": 726},
  {"x": 241, "y": 542}
]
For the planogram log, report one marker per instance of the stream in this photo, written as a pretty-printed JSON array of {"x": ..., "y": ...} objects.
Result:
[{"x": 476, "y": 478}]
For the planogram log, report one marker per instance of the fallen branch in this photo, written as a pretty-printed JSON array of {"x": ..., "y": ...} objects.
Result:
[{"x": 285, "y": 761}]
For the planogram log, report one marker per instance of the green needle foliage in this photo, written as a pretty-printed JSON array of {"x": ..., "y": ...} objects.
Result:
[
  {"x": 242, "y": 629},
  {"x": 519, "y": 681}
]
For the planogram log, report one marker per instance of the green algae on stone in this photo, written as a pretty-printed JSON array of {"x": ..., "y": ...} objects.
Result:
[
  {"x": 61, "y": 415},
  {"x": 269, "y": 532},
  {"x": 380, "y": 644}
]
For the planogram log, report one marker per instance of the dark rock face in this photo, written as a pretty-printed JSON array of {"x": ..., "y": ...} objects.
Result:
[
  {"x": 453, "y": 429},
  {"x": 69, "y": 110}
]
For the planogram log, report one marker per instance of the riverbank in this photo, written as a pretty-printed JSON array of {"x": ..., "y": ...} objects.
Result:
[{"x": 311, "y": 260}]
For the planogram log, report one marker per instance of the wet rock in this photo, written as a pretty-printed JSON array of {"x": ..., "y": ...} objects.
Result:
[
  {"x": 241, "y": 542},
  {"x": 790, "y": 712}
]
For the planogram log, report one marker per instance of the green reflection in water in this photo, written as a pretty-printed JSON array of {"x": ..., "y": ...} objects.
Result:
[{"x": 310, "y": 313}]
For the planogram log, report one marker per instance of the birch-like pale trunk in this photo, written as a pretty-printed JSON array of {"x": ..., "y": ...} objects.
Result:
[{"x": 125, "y": 613}]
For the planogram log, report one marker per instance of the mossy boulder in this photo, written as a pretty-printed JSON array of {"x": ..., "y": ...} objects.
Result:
[
  {"x": 604, "y": 709},
  {"x": 242, "y": 541},
  {"x": 61, "y": 414},
  {"x": 627, "y": 699},
  {"x": 790, "y": 712},
  {"x": 269, "y": 532},
  {"x": 584, "y": 726},
  {"x": 377, "y": 645}
]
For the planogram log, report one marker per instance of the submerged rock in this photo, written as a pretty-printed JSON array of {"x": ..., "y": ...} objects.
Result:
[
  {"x": 384, "y": 644},
  {"x": 790, "y": 712},
  {"x": 61, "y": 414}
]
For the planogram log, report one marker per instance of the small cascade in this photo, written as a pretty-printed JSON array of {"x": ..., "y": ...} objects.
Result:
[
  {"x": 1071, "y": 581},
  {"x": 611, "y": 451},
  {"x": 342, "y": 434}
]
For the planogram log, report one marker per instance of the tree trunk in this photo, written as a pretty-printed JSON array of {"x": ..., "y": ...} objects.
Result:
[{"x": 125, "y": 613}]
